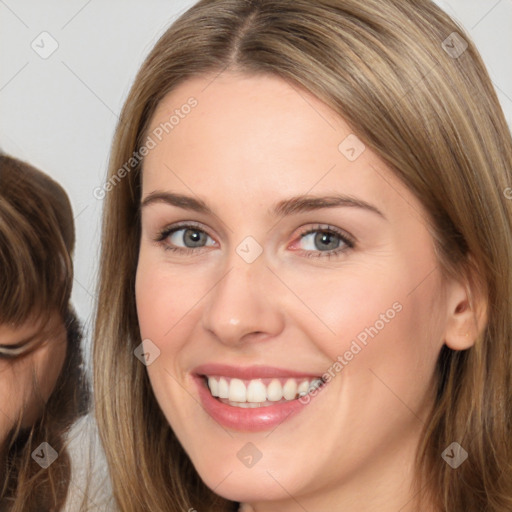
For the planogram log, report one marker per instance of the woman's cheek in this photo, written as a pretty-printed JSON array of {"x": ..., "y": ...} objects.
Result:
[
  {"x": 167, "y": 294},
  {"x": 346, "y": 313}
]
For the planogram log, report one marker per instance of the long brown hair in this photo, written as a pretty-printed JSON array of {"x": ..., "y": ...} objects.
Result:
[
  {"x": 36, "y": 276},
  {"x": 423, "y": 102}
]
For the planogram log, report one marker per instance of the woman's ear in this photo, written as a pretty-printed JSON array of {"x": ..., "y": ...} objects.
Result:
[{"x": 467, "y": 313}]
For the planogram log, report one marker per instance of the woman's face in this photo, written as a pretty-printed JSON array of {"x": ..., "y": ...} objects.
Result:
[
  {"x": 26, "y": 382},
  {"x": 248, "y": 278}
]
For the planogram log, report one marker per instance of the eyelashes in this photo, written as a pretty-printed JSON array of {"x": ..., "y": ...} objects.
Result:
[
  {"x": 345, "y": 241},
  {"x": 164, "y": 236},
  {"x": 325, "y": 235},
  {"x": 18, "y": 350}
]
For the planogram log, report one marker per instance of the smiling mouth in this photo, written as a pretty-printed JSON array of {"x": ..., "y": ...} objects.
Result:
[{"x": 256, "y": 393}]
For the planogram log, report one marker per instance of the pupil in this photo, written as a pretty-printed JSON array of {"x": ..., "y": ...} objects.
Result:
[
  {"x": 194, "y": 237},
  {"x": 326, "y": 240}
]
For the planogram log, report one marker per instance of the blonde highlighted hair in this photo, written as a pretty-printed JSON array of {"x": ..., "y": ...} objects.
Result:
[{"x": 434, "y": 118}]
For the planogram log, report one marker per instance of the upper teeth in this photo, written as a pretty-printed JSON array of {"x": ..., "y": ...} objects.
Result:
[{"x": 255, "y": 391}]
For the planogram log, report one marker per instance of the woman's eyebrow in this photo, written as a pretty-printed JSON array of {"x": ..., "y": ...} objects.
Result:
[
  {"x": 299, "y": 204},
  {"x": 179, "y": 200},
  {"x": 296, "y": 204}
]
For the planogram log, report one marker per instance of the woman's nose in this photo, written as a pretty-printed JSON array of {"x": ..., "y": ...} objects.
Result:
[{"x": 244, "y": 305}]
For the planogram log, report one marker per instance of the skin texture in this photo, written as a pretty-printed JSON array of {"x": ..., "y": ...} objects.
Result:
[
  {"x": 27, "y": 382},
  {"x": 249, "y": 143}
]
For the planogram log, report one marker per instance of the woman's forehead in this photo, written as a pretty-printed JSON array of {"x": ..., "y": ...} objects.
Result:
[
  {"x": 234, "y": 96},
  {"x": 261, "y": 138}
]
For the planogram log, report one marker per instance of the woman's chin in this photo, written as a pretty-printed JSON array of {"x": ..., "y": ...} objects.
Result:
[{"x": 250, "y": 488}]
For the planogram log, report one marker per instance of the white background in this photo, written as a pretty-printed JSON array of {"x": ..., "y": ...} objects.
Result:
[{"x": 59, "y": 113}]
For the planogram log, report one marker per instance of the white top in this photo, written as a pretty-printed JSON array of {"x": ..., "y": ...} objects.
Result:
[{"x": 90, "y": 488}]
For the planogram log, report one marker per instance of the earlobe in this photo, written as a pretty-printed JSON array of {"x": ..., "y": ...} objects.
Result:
[{"x": 467, "y": 316}]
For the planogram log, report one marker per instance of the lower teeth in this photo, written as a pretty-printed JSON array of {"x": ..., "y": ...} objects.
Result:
[
  {"x": 253, "y": 405},
  {"x": 250, "y": 405}
]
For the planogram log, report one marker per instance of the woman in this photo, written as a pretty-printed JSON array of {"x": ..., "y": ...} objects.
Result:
[
  {"x": 41, "y": 378},
  {"x": 305, "y": 279}
]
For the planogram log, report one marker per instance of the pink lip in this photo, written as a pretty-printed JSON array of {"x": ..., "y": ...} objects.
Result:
[{"x": 247, "y": 420}]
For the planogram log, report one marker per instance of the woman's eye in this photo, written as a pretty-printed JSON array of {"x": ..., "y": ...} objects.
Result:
[
  {"x": 189, "y": 237},
  {"x": 324, "y": 240},
  {"x": 185, "y": 238},
  {"x": 18, "y": 349},
  {"x": 320, "y": 241}
]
